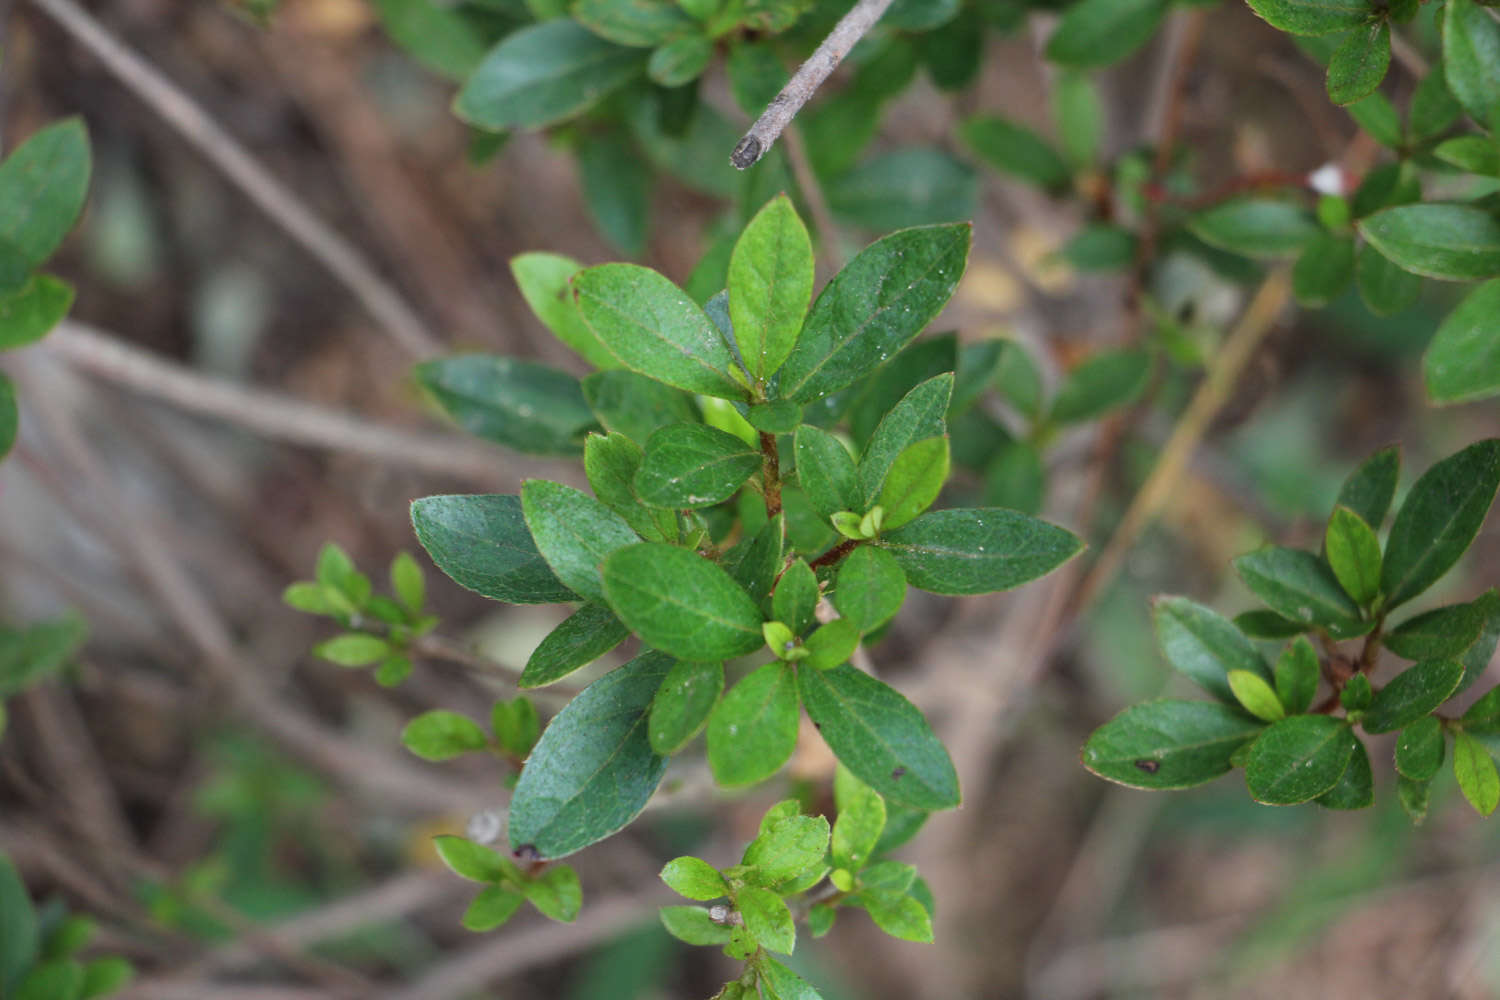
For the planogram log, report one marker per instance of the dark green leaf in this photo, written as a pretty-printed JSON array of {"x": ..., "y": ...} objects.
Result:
[
  {"x": 593, "y": 770},
  {"x": 440, "y": 735},
  {"x": 104, "y": 976},
  {"x": 826, "y": 471},
  {"x": 1475, "y": 770},
  {"x": 1484, "y": 715},
  {"x": 978, "y": 550},
  {"x": 574, "y": 533},
  {"x": 1451, "y": 242},
  {"x": 1255, "y": 227},
  {"x": 692, "y": 465},
  {"x": 1313, "y": 17},
  {"x": 1439, "y": 633},
  {"x": 611, "y": 463},
  {"x": 29, "y": 312},
  {"x": 781, "y": 416},
  {"x": 520, "y": 404},
  {"x": 681, "y": 603},
  {"x": 1202, "y": 644},
  {"x": 913, "y": 186},
  {"x": 788, "y": 849},
  {"x": 1419, "y": 749},
  {"x": 767, "y": 919},
  {"x": 543, "y": 279},
  {"x": 693, "y": 925},
  {"x": 642, "y": 23},
  {"x": 20, "y": 942},
  {"x": 1015, "y": 478},
  {"x": 1168, "y": 743},
  {"x": 1353, "y": 554},
  {"x": 582, "y": 638},
  {"x": 1019, "y": 380},
  {"x": 616, "y": 189},
  {"x": 634, "y": 405},
  {"x": 682, "y": 705},
  {"x": 1377, "y": 116},
  {"x": 9, "y": 417},
  {"x": 489, "y": 910},
  {"x": 680, "y": 61},
  {"x": 1471, "y": 58},
  {"x": 31, "y": 653},
  {"x": 1476, "y": 659},
  {"x": 694, "y": 878},
  {"x": 1300, "y": 586},
  {"x": 1101, "y": 247},
  {"x": 437, "y": 36},
  {"x": 977, "y": 364},
  {"x": 1359, "y": 63},
  {"x": 1324, "y": 270},
  {"x": 51, "y": 981},
  {"x": 544, "y": 74},
  {"x": 770, "y": 286},
  {"x": 43, "y": 184},
  {"x": 921, "y": 414},
  {"x": 1298, "y": 759},
  {"x": 755, "y": 561},
  {"x": 1357, "y": 694},
  {"x": 756, "y": 75},
  {"x": 1104, "y": 382},
  {"x": 1097, "y": 33},
  {"x": 1369, "y": 488},
  {"x": 1463, "y": 361},
  {"x": 795, "y": 598},
  {"x": 1412, "y": 694},
  {"x": 874, "y": 307},
  {"x": 954, "y": 52},
  {"x": 1385, "y": 287},
  {"x": 1017, "y": 150},
  {"x": 753, "y": 730},
  {"x": 920, "y": 15},
  {"x": 1297, "y": 675},
  {"x": 880, "y": 737},
  {"x": 1433, "y": 109},
  {"x": 870, "y": 588},
  {"x": 1356, "y": 788},
  {"x": 1439, "y": 519},
  {"x": 1263, "y": 624}
]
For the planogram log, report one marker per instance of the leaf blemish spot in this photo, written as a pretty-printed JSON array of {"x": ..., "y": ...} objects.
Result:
[{"x": 1149, "y": 766}]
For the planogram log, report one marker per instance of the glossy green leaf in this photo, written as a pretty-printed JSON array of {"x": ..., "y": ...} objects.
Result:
[
  {"x": 1313, "y": 17},
  {"x": 611, "y": 463},
  {"x": 634, "y": 405},
  {"x": 1438, "y": 520},
  {"x": 873, "y": 308},
  {"x": 1475, "y": 770},
  {"x": 831, "y": 645},
  {"x": 1257, "y": 697},
  {"x": 694, "y": 878},
  {"x": 475, "y": 862},
  {"x": 656, "y": 329},
  {"x": 682, "y": 705},
  {"x": 1201, "y": 643},
  {"x": 1298, "y": 759},
  {"x": 523, "y": 405},
  {"x": 755, "y": 561},
  {"x": 43, "y": 184},
  {"x": 1471, "y": 58},
  {"x": 1300, "y": 586},
  {"x": 789, "y": 848},
  {"x": 693, "y": 925},
  {"x": 1104, "y": 382},
  {"x": 679, "y": 602},
  {"x": 870, "y": 588},
  {"x": 440, "y": 735},
  {"x": 767, "y": 919},
  {"x": 352, "y": 649},
  {"x": 574, "y": 533},
  {"x": 826, "y": 471},
  {"x": 582, "y": 638},
  {"x": 1097, "y": 33},
  {"x": 1369, "y": 489},
  {"x": 921, "y": 414},
  {"x": 978, "y": 550},
  {"x": 1014, "y": 149},
  {"x": 770, "y": 286},
  {"x": 593, "y": 770},
  {"x": 642, "y": 23},
  {"x": 1356, "y": 786},
  {"x": 489, "y": 910},
  {"x": 1353, "y": 553},
  {"x": 753, "y": 730},
  {"x": 1412, "y": 694},
  {"x": 1255, "y": 227},
  {"x": 1385, "y": 287},
  {"x": 1297, "y": 675},
  {"x": 1263, "y": 624},
  {"x": 29, "y": 312},
  {"x": 1324, "y": 269},
  {"x": 860, "y": 820},
  {"x": 543, "y": 74},
  {"x": 914, "y": 481},
  {"x": 880, "y": 737},
  {"x": 1440, "y": 633},
  {"x": 437, "y": 36},
  {"x": 912, "y": 186},
  {"x": 1359, "y": 63},
  {"x": 1451, "y": 242},
  {"x": 688, "y": 466},
  {"x": 1420, "y": 749},
  {"x": 1463, "y": 361},
  {"x": 1169, "y": 743},
  {"x": 1484, "y": 715}
]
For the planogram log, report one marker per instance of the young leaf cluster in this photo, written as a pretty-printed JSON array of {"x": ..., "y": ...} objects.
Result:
[
  {"x": 39, "y": 950},
  {"x": 553, "y": 890}
]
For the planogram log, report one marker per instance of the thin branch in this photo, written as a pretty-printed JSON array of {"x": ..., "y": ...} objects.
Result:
[
  {"x": 805, "y": 82},
  {"x": 291, "y": 213}
]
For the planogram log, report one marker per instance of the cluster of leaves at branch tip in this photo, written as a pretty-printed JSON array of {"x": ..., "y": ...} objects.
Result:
[{"x": 1268, "y": 718}]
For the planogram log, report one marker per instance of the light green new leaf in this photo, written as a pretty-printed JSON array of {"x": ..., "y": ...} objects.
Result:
[
  {"x": 860, "y": 820},
  {"x": 1301, "y": 587},
  {"x": 1359, "y": 63},
  {"x": 574, "y": 532},
  {"x": 353, "y": 649},
  {"x": 656, "y": 329},
  {"x": 1298, "y": 759},
  {"x": 1313, "y": 17},
  {"x": 593, "y": 770},
  {"x": 544, "y": 280},
  {"x": 1475, "y": 770},
  {"x": 1450, "y": 242},
  {"x": 1169, "y": 743},
  {"x": 1258, "y": 697},
  {"x": 914, "y": 481},
  {"x": 582, "y": 638},
  {"x": 693, "y": 925},
  {"x": 687, "y": 466},
  {"x": 481, "y": 542},
  {"x": 1438, "y": 520},
  {"x": 978, "y": 550},
  {"x": 43, "y": 184},
  {"x": 679, "y": 602},
  {"x": 474, "y": 862},
  {"x": 1471, "y": 58},
  {"x": 1097, "y": 33},
  {"x": 753, "y": 729},
  {"x": 1412, "y": 694},
  {"x": 777, "y": 982},
  {"x": 1105, "y": 381},
  {"x": 1463, "y": 361},
  {"x": 440, "y": 735},
  {"x": 1473, "y": 153},
  {"x": 543, "y": 74},
  {"x": 683, "y": 703},
  {"x": 694, "y": 878},
  {"x": 1204, "y": 645},
  {"x": 523, "y": 405},
  {"x": 556, "y": 893},
  {"x": 1255, "y": 227},
  {"x": 489, "y": 910},
  {"x": 1354, "y": 554},
  {"x": 770, "y": 286},
  {"x": 832, "y": 644},
  {"x": 31, "y": 653},
  {"x": 515, "y": 725},
  {"x": 789, "y": 848},
  {"x": 29, "y": 312}
]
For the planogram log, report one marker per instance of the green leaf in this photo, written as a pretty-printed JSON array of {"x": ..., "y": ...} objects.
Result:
[
  {"x": 1015, "y": 478},
  {"x": 914, "y": 481},
  {"x": 880, "y": 737},
  {"x": 352, "y": 649},
  {"x": 616, "y": 186},
  {"x": 1201, "y": 643},
  {"x": 694, "y": 878},
  {"x": 635, "y": 405},
  {"x": 1324, "y": 269},
  {"x": 1357, "y": 694},
  {"x": 795, "y": 598},
  {"x": 781, "y": 416},
  {"x": 440, "y": 735},
  {"x": 489, "y": 910},
  {"x": 861, "y": 818},
  {"x": 574, "y": 532},
  {"x": 515, "y": 725},
  {"x": 1475, "y": 770},
  {"x": 912, "y": 186},
  {"x": 693, "y": 925},
  {"x": 43, "y": 184},
  {"x": 1356, "y": 787},
  {"x": 1169, "y": 743},
  {"x": 407, "y": 582},
  {"x": 1369, "y": 489},
  {"x": 643, "y": 23},
  {"x": 1354, "y": 555},
  {"x": 1471, "y": 60},
  {"x": 1097, "y": 33},
  {"x": 681, "y": 603},
  {"x": 1385, "y": 287},
  {"x": 1019, "y": 380},
  {"x": 753, "y": 730},
  {"x": 755, "y": 561},
  {"x": 688, "y": 466},
  {"x": 825, "y": 471},
  {"x": 1433, "y": 109},
  {"x": 869, "y": 402},
  {"x": 1014, "y": 149},
  {"x": 899, "y": 916},
  {"x": 1440, "y": 633},
  {"x": 29, "y": 312},
  {"x": 1420, "y": 749},
  {"x": 921, "y": 15},
  {"x": 543, "y": 74},
  {"x": 104, "y": 976},
  {"x": 1255, "y": 227},
  {"x": 788, "y": 849},
  {"x": 767, "y": 919},
  {"x": 870, "y": 588},
  {"x": 680, "y": 61},
  {"x": 1412, "y": 694},
  {"x": 1313, "y": 17},
  {"x": 832, "y": 644},
  {"x": 1297, "y": 675},
  {"x": 978, "y": 550},
  {"x": 481, "y": 542},
  {"x": 920, "y": 414},
  {"x": 1377, "y": 116},
  {"x": 1263, "y": 624},
  {"x": 20, "y": 942},
  {"x": 611, "y": 462},
  {"x": 756, "y": 74},
  {"x": 1450, "y": 242},
  {"x": 523, "y": 405},
  {"x": 1101, "y": 247},
  {"x": 683, "y": 703},
  {"x": 1300, "y": 586},
  {"x": 474, "y": 862},
  {"x": 1414, "y": 796},
  {"x": 593, "y": 770},
  {"x": 656, "y": 329},
  {"x": 1463, "y": 361},
  {"x": 1258, "y": 697},
  {"x": 873, "y": 308},
  {"x": 1473, "y": 153},
  {"x": 1104, "y": 382},
  {"x": 1079, "y": 114},
  {"x": 9, "y": 416},
  {"x": 31, "y": 653},
  {"x": 437, "y": 36},
  {"x": 1359, "y": 63},
  {"x": 50, "y": 981},
  {"x": 1438, "y": 520},
  {"x": 770, "y": 286},
  {"x": 582, "y": 638},
  {"x": 777, "y": 982},
  {"x": 1298, "y": 759}
]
